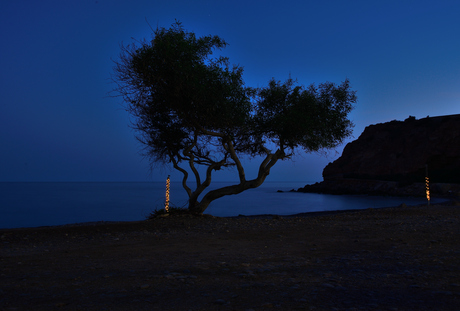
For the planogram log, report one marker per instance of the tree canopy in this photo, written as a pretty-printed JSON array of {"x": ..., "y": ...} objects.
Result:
[{"x": 190, "y": 108}]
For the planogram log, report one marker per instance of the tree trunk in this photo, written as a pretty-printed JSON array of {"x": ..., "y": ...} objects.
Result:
[
  {"x": 264, "y": 171},
  {"x": 200, "y": 207}
]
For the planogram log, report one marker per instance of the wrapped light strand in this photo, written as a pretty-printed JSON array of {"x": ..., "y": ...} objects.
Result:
[
  {"x": 427, "y": 185},
  {"x": 167, "y": 195}
]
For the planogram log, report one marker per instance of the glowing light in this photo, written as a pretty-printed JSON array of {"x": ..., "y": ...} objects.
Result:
[
  {"x": 427, "y": 184},
  {"x": 167, "y": 195}
]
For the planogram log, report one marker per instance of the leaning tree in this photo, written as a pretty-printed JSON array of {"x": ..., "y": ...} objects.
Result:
[{"x": 189, "y": 108}]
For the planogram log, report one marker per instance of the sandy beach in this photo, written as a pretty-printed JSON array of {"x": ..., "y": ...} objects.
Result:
[{"x": 402, "y": 258}]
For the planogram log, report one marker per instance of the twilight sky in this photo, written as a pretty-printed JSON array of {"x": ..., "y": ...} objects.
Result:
[{"x": 57, "y": 122}]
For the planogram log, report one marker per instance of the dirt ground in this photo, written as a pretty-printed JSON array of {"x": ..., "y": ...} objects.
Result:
[{"x": 404, "y": 258}]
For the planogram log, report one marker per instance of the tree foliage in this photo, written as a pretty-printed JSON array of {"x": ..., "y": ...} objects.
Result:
[{"x": 190, "y": 108}]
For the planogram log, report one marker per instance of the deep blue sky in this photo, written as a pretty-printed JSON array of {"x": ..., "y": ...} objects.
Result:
[{"x": 57, "y": 123}]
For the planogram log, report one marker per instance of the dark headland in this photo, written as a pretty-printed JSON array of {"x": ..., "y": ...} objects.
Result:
[{"x": 394, "y": 158}]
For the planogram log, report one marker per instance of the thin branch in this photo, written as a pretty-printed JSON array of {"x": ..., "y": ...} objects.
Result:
[
  {"x": 191, "y": 159},
  {"x": 194, "y": 170},
  {"x": 229, "y": 147},
  {"x": 184, "y": 179}
]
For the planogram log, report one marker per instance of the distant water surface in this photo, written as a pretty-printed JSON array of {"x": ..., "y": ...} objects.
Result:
[{"x": 49, "y": 204}]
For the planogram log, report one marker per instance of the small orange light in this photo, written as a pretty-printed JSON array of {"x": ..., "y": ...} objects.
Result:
[
  {"x": 167, "y": 195},
  {"x": 427, "y": 183}
]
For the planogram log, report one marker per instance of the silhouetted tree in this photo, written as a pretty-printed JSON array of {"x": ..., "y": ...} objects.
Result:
[{"x": 191, "y": 109}]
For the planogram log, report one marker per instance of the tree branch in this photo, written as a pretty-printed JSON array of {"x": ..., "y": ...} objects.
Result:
[
  {"x": 264, "y": 170},
  {"x": 191, "y": 160},
  {"x": 229, "y": 147},
  {"x": 184, "y": 179},
  {"x": 200, "y": 188}
]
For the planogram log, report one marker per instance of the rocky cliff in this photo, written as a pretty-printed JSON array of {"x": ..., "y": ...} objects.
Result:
[{"x": 397, "y": 154}]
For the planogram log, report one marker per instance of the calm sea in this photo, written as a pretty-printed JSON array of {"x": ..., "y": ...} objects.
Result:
[{"x": 49, "y": 204}]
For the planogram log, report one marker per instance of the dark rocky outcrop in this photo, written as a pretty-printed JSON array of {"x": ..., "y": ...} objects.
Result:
[{"x": 392, "y": 158}]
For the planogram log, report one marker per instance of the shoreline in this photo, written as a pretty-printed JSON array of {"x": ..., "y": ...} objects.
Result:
[
  {"x": 63, "y": 210},
  {"x": 448, "y": 202}
]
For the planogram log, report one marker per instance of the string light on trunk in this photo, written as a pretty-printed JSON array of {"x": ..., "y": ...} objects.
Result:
[{"x": 167, "y": 195}]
